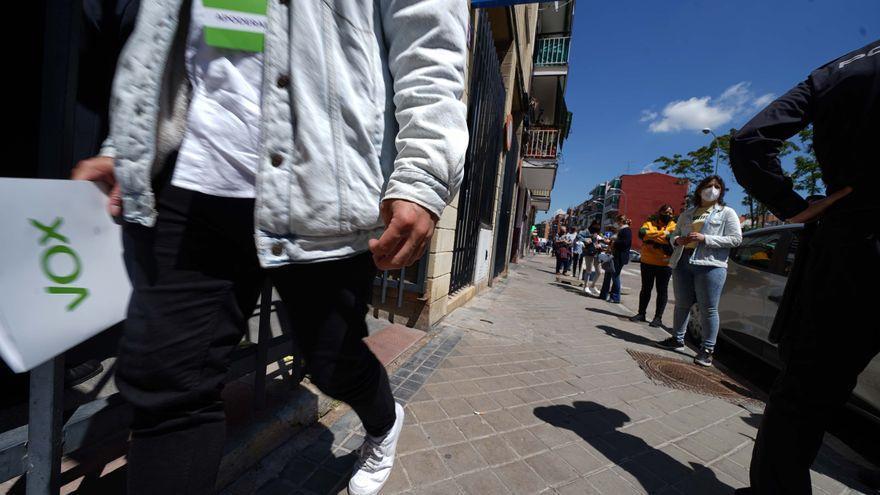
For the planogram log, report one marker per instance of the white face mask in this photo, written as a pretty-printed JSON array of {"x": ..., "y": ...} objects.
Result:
[{"x": 710, "y": 194}]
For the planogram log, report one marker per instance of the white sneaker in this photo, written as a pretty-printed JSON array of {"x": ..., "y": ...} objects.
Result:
[{"x": 373, "y": 468}]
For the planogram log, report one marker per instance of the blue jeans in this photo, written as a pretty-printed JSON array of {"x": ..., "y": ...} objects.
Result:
[
  {"x": 701, "y": 285},
  {"x": 612, "y": 282}
]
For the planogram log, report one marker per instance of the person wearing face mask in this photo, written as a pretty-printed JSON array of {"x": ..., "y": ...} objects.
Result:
[
  {"x": 702, "y": 238},
  {"x": 620, "y": 252},
  {"x": 655, "y": 269}
]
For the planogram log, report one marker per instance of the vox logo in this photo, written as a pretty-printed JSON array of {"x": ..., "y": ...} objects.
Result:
[{"x": 59, "y": 263}]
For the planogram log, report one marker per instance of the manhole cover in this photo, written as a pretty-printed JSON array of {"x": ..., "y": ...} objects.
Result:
[{"x": 686, "y": 376}]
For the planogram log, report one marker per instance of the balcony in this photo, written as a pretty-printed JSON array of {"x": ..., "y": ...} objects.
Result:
[
  {"x": 551, "y": 55},
  {"x": 552, "y": 50},
  {"x": 542, "y": 144}
]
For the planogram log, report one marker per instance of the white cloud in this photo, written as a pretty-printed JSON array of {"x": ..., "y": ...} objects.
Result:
[
  {"x": 696, "y": 113},
  {"x": 648, "y": 116},
  {"x": 762, "y": 101}
]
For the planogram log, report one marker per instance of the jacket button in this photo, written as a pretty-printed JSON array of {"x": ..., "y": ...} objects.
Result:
[
  {"x": 277, "y": 249},
  {"x": 277, "y": 159},
  {"x": 283, "y": 81}
]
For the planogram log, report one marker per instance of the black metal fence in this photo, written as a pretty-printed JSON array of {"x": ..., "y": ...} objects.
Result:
[
  {"x": 485, "y": 124},
  {"x": 511, "y": 160}
]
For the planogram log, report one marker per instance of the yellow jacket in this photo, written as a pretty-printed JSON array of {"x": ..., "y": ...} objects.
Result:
[{"x": 652, "y": 237}]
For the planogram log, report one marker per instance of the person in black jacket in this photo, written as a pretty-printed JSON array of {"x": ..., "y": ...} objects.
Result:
[
  {"x": 620, "y": 251},
  {"x": 823, "y": 341}
]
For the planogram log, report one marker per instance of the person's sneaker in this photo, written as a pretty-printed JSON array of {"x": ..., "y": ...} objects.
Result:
[
  {"x": 704, "y": 357},
  {"x": 373, "y": 468},
  {"x": 656, "y": 323},
  {"x": 672, "y": 344},
  {"x": 638, "y": 317}
]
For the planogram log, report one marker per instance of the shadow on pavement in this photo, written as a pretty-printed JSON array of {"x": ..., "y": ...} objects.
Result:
[
  {"x": 653, "y": 469},
  {"x": 636, "y": 339},
  {"x": 609, "y": 313}
]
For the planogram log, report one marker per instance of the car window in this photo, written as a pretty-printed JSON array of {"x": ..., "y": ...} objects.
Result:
[{"x": 757, "y": 251}]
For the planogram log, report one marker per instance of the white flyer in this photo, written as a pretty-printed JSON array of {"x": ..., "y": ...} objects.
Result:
[{"x": 62, "y": 277}]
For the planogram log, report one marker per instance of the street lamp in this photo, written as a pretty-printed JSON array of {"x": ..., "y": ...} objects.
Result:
[{"x": 706, "y": 130}]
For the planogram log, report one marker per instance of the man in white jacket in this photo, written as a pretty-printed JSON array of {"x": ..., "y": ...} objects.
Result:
[{"x": 310, "y": 142}]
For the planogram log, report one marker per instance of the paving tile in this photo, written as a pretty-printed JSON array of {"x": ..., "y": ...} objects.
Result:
[
  {"x": 298, "y": 470},
  {"x": 483, "y": 403},
  {"x": 550, "y": 435},
  {"x": 323, "y": 481},
  {"x": 473, "y": 426},
  {"x": 520, "y": 478},
  {"x": 608, "y": 482},
  {"x": 578, "y": 458},
  {"x": 461, "y": 458},
  {"x": 552, "y": 468},
  {"x": 448, "y": 487},
  {"x": 525, "y": 415},
  {"x": 481, "y": 483},
  {"x": 523, "y": 442},
  {"x": 494, "y": 450},
  {"x": 424, "y": 467},
  {"x": 456, "y": 407},
  {"x": 580, "y": 486},
  {"x": 467, "y": 388},
  {"x": 443, "y": 433},
  {"x": 427, "y": 411},
  {"x": 412, "y": 438},
  {"x": 506, "y": 398},
  {"x": 397, "y": 482},
  {"x": 501, "y": 421},
  {"x": 277, "y": 487}
]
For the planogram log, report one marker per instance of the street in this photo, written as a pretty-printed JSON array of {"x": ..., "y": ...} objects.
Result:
[{"x": 535, "y": 388}]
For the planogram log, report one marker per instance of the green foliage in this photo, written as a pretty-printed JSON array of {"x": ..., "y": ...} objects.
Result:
[{"x": 807, "y": 175}]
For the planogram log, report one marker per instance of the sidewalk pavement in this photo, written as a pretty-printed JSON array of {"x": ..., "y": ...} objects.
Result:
[{"x": 530, "y": 389}]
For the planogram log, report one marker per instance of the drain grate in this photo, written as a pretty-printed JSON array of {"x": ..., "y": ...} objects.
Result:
[{"x": 682, "y": 375}]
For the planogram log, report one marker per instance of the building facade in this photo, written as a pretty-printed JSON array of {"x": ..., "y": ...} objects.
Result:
[{"x": 518, "y": 122}]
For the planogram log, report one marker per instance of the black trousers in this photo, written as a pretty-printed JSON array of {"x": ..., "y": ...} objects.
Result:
[
  {"x": 576, "y": 260},
  {"x": 831, "y": 339},
  {"x": 654, "y": 275},
  {"x": 196, "y": 279}
]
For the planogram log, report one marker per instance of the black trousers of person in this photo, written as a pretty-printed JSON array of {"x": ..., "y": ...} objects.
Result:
[
  {"x": 829, "y": 339},
  {"x": 654, "y": 275},
  {"x": 196, "y": 279}
]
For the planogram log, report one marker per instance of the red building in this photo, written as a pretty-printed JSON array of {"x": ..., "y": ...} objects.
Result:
[{"x": 640, "y": 196}]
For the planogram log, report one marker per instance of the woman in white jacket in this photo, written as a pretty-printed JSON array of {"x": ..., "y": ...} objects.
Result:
[{"x": 702, "y": 240}]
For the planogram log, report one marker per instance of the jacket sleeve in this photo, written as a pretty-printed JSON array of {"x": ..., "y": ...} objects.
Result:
[
  {"x": 731, "y": 232},
  {"x": 676, "y": 232},
  {"x": 754, "y": 151},
  {"x": 427, "y": 54},
  {"x": 653, "y": 234}
]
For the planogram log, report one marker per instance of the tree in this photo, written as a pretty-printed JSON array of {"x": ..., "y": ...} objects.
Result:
[
  {"x": 807, "y": 175},
  {"x": 699, "y": 163}
]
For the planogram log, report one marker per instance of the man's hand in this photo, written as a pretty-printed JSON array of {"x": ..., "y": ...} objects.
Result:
[
  {"x": 408, "y": 230},
  {"x": 100, "y": 169},
  {"x": 816, "y": 209}
]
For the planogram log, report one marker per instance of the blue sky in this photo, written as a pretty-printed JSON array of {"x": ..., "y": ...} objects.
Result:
[{"x": 644, "y": 74}]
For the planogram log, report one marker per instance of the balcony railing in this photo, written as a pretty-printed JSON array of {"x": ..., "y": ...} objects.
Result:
[
  {"x": 552, "y": 51},
  {"x": 542, "y": 143}
]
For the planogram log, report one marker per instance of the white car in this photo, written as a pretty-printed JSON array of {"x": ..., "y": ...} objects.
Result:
[{"x": 756, "y": 277}]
